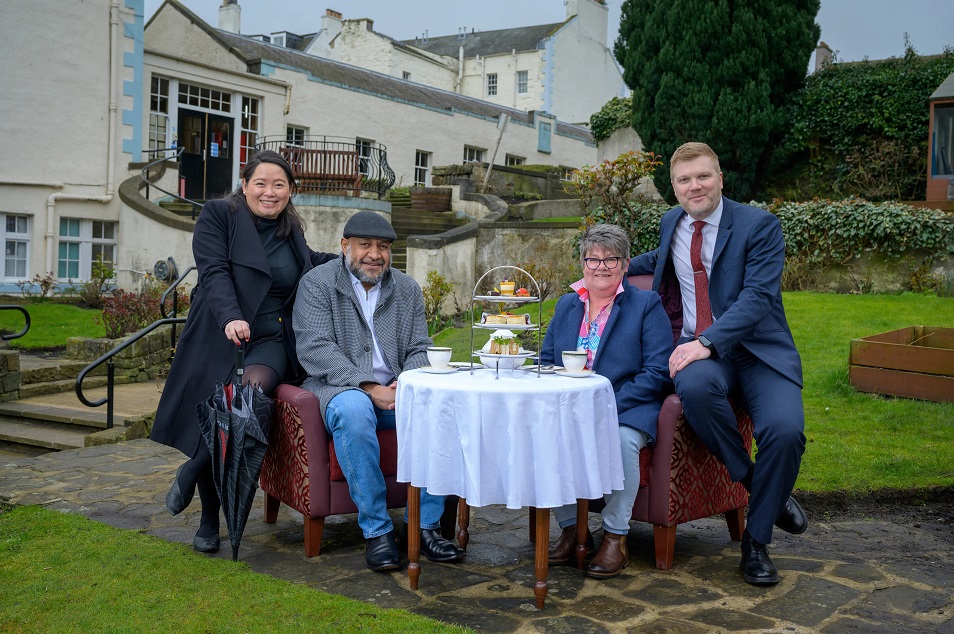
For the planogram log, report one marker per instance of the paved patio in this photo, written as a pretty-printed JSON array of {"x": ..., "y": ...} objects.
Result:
[{"x": 854, "y": 574}]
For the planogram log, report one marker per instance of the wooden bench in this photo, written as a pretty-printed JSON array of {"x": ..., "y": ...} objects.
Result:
[{"x": 325, "y": 171}]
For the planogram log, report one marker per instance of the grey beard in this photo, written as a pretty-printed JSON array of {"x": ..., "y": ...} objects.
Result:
[{"x": 363, "y": 276}]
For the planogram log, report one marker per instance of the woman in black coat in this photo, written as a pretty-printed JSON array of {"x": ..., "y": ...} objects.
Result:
[{"x": 250, "y": 252}]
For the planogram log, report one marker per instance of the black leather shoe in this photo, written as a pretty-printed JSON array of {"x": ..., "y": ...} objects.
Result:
[
  {"x": 206, "y": 544},
  {"x": 436, "y": 548},
  {"x": 382, "y": 553},
  {"x": 756, "y": 566},
  {"x": 792, "y": 519},
  {"x": 176, "y": 499}
]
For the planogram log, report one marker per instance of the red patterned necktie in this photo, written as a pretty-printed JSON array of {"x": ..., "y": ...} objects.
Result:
[{"x": 703, "y": 307}]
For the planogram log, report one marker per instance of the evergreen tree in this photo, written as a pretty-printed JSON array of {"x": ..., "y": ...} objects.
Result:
[{"x": 717, "y": 71}]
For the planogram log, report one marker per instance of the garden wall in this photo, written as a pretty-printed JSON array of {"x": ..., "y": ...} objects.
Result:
[{"x": 144, "y": 360}]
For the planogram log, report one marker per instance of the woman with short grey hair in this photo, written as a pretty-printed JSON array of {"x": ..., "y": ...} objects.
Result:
[{"x": 628, "y": 339}]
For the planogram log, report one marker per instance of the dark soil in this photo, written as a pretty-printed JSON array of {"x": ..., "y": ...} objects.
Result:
[{"x": 918, "y": 505}]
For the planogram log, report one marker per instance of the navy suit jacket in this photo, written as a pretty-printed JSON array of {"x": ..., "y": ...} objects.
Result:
[
  {"x": 633, "y": 353},
  {"x": 745, "y": 287}
]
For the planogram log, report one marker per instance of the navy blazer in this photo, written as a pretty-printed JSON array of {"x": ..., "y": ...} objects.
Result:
[
  {"x": 633, "y": 353},
  {"x": 745, "y": 285}
]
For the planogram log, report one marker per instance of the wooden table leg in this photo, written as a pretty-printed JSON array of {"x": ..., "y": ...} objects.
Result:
[
  {"x": 541, "y": 566},
  {"x": 413, "y": 534},
  {"x": 463, "y": 523},
  {"x": 582, "y": 518}
]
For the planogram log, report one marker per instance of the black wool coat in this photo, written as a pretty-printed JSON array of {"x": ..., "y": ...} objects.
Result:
[{"x": 234, "y": 277}]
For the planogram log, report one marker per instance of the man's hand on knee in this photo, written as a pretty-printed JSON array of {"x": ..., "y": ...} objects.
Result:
[{"x": 685, "y": 354}]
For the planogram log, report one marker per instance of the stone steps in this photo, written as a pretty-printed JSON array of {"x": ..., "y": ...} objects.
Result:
[{"x": 41, "y": 436}]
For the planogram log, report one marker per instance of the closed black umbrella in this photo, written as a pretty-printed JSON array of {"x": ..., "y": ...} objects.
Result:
[{"x": 235, "y": 421}]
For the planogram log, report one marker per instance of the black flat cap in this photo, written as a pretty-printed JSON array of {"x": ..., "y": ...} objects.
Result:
[{"x": 367, "y": 224}]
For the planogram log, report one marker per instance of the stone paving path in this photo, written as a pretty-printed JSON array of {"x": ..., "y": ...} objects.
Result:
[{"x": 861, "y": 575}]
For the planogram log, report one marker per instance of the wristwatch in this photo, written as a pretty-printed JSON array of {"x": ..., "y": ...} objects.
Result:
[{"x": 708, "y": 345}]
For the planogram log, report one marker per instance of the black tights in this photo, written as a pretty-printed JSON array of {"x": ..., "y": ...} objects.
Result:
[{"x": 198, "y": 470}]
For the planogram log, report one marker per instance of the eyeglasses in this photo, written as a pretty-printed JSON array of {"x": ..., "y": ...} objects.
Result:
[{"x": 594, "y": 263}]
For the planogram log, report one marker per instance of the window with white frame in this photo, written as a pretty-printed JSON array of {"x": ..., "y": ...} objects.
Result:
[
  {"x": 159, "y": 113},
  {"x": 473, "y": 154},
  {"x": 491, "y": 84},
  {"x": 202, "y": 97},
  {"x": 249, "y": 133},
  {"x": 406, "y": 75},
  {"x": 82, "y": 243},
  {"x": 515, "y": 160},
  {"x": 295, "y": 135},
  {"x": 422, "y": 162},
  {"x": 567, "y": 173},
  {"x": 363, "y": 146},
  {"x": 522, "y": 82},
  {"x": 16, "y": 240}
]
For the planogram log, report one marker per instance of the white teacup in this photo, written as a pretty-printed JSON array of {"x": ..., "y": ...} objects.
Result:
[
  {"x": 574, "y": 360},
  {"x": 439, "y": 357}
]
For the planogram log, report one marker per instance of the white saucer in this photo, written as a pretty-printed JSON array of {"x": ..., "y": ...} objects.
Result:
[
  {"x": 550, "y": 370},
  {"x": 465, "y": 365},
  {"x": 575, "y": 375},
  {"x": 433, "y": 370}
]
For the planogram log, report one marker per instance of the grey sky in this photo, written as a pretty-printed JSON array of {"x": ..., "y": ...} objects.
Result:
[{"x": 855, "y": 29}]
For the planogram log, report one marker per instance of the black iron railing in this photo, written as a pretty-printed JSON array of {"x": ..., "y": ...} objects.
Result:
[
  {"x": 111, "y": 369},
  {"x": 108, "y": 357},
  {"x": 334, "y": 165},
  {"x": 175, "y": 308},
  {"x": 144, "y": 174},
  {"x": 26, "y": 316}
]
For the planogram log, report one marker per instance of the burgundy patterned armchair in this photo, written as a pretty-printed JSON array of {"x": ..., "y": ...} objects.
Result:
[
  {"x": 302, "y": 471},
  {"x": 680, "y": 481}
]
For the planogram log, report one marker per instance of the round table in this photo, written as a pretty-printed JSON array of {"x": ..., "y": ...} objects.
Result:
[{"x": 523, "y": 440}]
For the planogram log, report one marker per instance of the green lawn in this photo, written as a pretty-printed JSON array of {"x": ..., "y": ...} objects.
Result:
[
  {"x": 51, "y": 324},
  {"x": 856, "y": 442},
  {"x": 64, "y": 573}
]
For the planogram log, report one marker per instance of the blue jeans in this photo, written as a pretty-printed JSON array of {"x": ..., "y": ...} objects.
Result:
[
  {"x": 619, "y": 504},
  {"x": 352, "y": 421}
]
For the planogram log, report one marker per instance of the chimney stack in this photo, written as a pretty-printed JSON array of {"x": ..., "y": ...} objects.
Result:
[
  {"x": 823, "y": 56},
  {"x": 230, "y": 16}
]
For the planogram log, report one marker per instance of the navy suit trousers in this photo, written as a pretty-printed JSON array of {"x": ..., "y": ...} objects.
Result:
[{"x": 775, "y": 406}]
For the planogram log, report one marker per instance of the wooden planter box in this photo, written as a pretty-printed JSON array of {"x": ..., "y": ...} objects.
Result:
[{"x": 915, "y": 362}]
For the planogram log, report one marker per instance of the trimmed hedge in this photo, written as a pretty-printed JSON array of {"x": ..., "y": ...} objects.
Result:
[{"x": 820, "y": 234}]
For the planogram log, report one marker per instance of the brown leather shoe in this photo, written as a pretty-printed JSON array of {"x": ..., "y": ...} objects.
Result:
[
  {"x": 611, "y": 558},
  {"x": 563, "y": 549}
]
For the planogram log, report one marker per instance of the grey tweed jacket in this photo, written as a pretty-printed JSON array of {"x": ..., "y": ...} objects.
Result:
[{"x": 334, "y": 340}]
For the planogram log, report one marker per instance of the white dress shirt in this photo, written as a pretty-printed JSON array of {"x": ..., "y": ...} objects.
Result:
[
  {"x": 368, "y": 299},
  {"x": 681, "y": 243}
]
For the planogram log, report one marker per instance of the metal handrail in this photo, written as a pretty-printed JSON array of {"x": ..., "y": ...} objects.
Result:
[
  {"x": 111, "y": 369},
  {"x": 175, "y": 296},
  {"x": 26, "y": 315},
  {"x": 175, "y": 308},
  {"x": 144, "y": 175}
]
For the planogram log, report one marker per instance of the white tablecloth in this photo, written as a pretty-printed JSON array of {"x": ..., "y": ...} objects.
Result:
[{"x": 521, "y": 441}]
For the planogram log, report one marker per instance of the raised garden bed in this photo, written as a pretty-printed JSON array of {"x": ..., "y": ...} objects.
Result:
[{"x": 914, "y": 362}]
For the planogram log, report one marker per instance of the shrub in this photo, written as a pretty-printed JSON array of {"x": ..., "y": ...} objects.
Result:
[
  {"x": 611, "y": 184},
  {"x": 93, "y": 291},
  {"x": 640, "y": 220},
  {"x": 862, "y": 128},
  {"x": 46, "y": 284},
  {"x": 615, "y": 114},
  {"x": 435, "y": 292},
  {"x": 125, "y": 312},
  {"x": 820, "y": 234}
]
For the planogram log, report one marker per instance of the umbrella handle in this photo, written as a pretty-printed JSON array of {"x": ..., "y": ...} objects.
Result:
[{"x": 239, "y": 363}]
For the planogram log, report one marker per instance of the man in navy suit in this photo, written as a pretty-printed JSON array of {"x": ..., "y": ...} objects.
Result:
[{"x": 719, "y": 270}]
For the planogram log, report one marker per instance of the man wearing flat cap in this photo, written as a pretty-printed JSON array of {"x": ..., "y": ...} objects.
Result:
[{"x": 358, "y": 325}]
